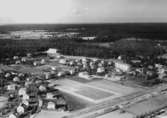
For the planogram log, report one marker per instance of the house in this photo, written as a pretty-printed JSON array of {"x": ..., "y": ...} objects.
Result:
[
  {"x": 49, "y": 96},
  {"x": 43, "y": 61},
  {"x": 113, "y": 77},
  {"x": 85, "y": 75},
  {"x": 42, "y": 88},
  {"x": 40, "y": 103},
  {"x": 71, "y": 63},
  {"x": 26, "y": 97},
  {"x": 22, "y": 91},
  {"x": 52, "y": 52},
  {"x": 16, "y": 79},
  {"x": 51, "y": 106},
  {"x": 88, "y": 38},
  {"x": 25, "y": 103},
  {"x": 15, "y": 57},
  {"x": 7, "y": 75},
  {"x": 72, "y": 72},
  {"x": 20, "y": 110},
  {"x": 18, "y": 62},
  {"x": 11, "y": 87},
  {"x": 61, "y": 74},
  {"x": 29, "y": 55},
  {"x": 53, "y": 68},
  {"x": 47, "y": 75},
  {"x": 23, "y": 59},
  {"x": 21, "y": 75},
  {"x": 35, "y": 63},
  {"x": 12, "y": 116},
  {"x": 122, "y": 66},
  {"x": 100, "y": 70},
  {"x": 84, "y": 60},
  {"x": 62, "y": 61}
]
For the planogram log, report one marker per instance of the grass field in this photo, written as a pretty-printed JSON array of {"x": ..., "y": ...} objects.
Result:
[
  {"x": 84, "y": 91},
  {"x": 111, "y": 86},
  {"x": 93, "y": 93}
]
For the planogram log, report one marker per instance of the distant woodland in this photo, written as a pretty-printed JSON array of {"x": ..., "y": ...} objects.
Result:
[{"x": 105, "y": 33}]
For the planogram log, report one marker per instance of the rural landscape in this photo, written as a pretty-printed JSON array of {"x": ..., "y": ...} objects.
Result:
[{"x": 83, "y": 70}]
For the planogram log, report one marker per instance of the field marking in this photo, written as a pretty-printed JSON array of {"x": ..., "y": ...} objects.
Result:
[
  {"x": 73, "y": 92},
  {"x": 102, "y": 89},
  {"x": 71, "y": 87}
]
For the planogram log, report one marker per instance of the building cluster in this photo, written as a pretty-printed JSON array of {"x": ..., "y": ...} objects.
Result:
[
  {"x": 27, "y": 60},
  {"x": 146, "y": 70},
  {"x": 27, "y": 95},
  {"x": 151, "y": 70},
  {"x": 90, "y": 68}
]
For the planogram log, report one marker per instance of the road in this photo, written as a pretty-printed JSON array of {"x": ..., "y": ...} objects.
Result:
[{"x": 106, "y": 107}]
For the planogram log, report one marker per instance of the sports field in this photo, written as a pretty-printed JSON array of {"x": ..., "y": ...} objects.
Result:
[
  {"x": 95, "y": 91},
  {"x": 114, "y": 87},
  {"x": 87, "y": 93}
]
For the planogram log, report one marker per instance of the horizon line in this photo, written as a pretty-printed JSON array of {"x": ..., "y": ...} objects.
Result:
[{"x": 82, "y": 23}]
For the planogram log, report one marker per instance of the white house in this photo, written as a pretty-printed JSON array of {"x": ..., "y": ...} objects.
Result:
[
  {"x": 52, "y": 52},
  {"x": 61, "y": 74},
  {"x": 11, "y": 87},
  {"x": 85, "y": 75},
  {"x": 42, "y": 88},
  {"x": 51, "y": 106},
  {"x": 100, "y": 70},
  {"x": 20, "y": 110},
  {"x": 22, "y": 91},
  {"x": 88, "y": 38},
  {"x": 12, "y": 116},
  {"x": 62, "y": 61},
  {"x": 49, "y": 96},
  {"x": 122, "y": 66}
]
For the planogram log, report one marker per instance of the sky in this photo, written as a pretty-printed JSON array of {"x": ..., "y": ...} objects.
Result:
[{"x": 82, "y": 11}]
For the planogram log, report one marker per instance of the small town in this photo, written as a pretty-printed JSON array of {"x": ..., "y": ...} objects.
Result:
[
  {"x": 74, "y": 86},
  {"x": 83, "y": 59}
]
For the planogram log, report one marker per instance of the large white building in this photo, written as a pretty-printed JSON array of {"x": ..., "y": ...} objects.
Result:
[
  {"x": 51, "y": 51},
  {"x": 89, "y": 38}
]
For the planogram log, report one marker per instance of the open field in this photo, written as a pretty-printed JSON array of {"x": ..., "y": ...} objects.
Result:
[
  {"x": 111, "y": 86},
  {"x": 84, "y": 91},
  {"x": 95, "y": 91}
]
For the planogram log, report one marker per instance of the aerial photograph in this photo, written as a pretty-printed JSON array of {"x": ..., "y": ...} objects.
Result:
[{"x": 83, "y": 58}]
